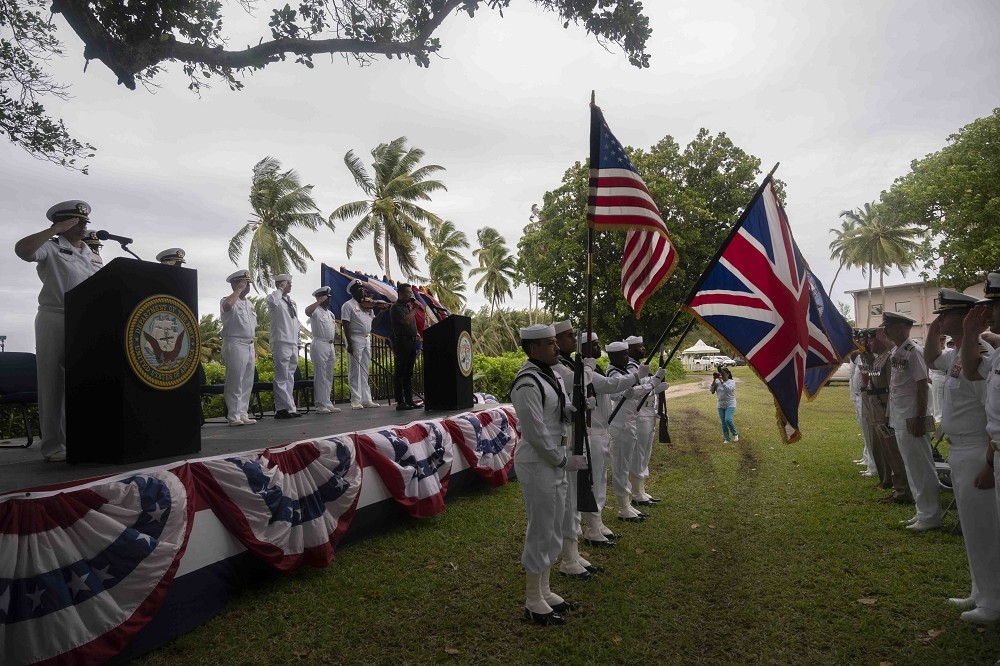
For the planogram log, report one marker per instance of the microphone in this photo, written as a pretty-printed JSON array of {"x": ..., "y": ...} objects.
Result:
[{"x": 104, "y": 235}]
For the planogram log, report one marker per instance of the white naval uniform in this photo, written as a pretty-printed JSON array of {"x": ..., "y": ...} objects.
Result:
[
  {"x": 284, "y": 348},
  {"x": 359, "y": 321},
  {"x": 571, "y": 519},
  {"x": 600, "y": 447},
  {"x": 908, "y": 368},
  {"x": 60, "y": 268},
  {"x": 963, "y": 419},
  {"x": 239, "y": 328},
  {"x": 323, "y": 327},
  {"x": 989, "y": 368},
  {"x": 645, "y": 426},
  {"x": 539, "y": 459},
  {"x": 854, "y": 385},
  {"x": 622, "y": 436}
]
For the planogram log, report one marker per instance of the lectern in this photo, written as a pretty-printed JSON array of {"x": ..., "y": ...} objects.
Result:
[
  {"x": 132, "y": 351},
  {"x": 448, "y": 364}
]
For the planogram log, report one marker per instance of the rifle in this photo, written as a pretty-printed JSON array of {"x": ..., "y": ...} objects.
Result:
[
  {"x": 661, "y": 411},
  {"x": 585, "y": 500}
]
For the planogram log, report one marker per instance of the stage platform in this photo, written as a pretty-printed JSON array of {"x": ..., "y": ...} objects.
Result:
[
  {"x": 25, "y": 468},
  {"x": 103, "y": 563}
]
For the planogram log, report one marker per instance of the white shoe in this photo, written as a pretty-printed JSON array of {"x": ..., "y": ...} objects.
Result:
[
  {"x": 335, "y": 410},
  {"x": 921, "y": 526},
  {"x": 909, "y": 521},
  {"x": 372, "y": 404},
  {"x": 322, "y": 410},
  {"x": 235, "y": 422},
  {"x": 357, "y": 406},
  {"x": 964, "y": 604},
  {"x": 736, "y": 438},
  {"x": 247, "y": 420},
  {"x": 59, "y": 456},
  {"x": 981, "y": 615},
  {"x": 725, "y": 441}
]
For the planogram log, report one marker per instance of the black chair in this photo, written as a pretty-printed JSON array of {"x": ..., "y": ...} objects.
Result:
[
  {"x": 207, "y": 390},
  {"x": 256, "y": 403},
  {"x": 302, "y": 390},
  {"x": 18, "y": 392}
]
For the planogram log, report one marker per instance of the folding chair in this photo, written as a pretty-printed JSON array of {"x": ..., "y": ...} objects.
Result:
[
  {"x": 943, "y": 470},
  {"x": 18, "y": 391}
]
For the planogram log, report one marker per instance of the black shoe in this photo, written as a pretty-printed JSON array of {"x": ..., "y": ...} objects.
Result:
[
  {"x": 414, "y": 405},
  {"x": 402, "y": 407},
  {"x": 655, "y": 500},
  {"x": 566, "y": 605},
  {"x": 282, "y": 414},
  {"x": 633, "y": 519},
  {"x": 642, "y": 502},
  {"x": 595, "y": 569},
  {"x": 544, "y": 619},
  {"x": 642, "y": 515},
  {"x": 599, "y": 544},
  {"x": 583, "y": 575},
  {"x": 294, "y": 415}
]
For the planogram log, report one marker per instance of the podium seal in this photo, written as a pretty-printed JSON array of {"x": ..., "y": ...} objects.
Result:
[
  {"x": 464, "y": 351},
  {"x": 163, "y": 342}
]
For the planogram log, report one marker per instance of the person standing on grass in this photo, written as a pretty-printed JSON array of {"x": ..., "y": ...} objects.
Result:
[
  {"x": 622, "y": 430},
  {"x": 724, "y": 388},
  {"x": 542, "y": 461},
  {"x": 645, "y": 426},
  {"x": 909, "y": 386},
  {"x": 875, "y": 379},
  {"x": 963, "y": 420}
]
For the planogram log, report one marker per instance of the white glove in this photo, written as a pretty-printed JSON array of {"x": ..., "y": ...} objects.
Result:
[
  {"x": 575, "y": 463},
  {"x": 640, "y": 390},
  {"x": 661, "y": 387},
  {"x": 592, "y": 402},
  {"x": 590, "y": 363},
  {"x": 568, "y": 411},
  {"x": 661, "y": 374},
  {"x": 643, "y": 371}
]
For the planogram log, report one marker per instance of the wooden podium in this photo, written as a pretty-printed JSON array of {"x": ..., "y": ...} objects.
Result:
[
  {"x": 132, "y": 351},
  {"x": 448, "y": 364}
]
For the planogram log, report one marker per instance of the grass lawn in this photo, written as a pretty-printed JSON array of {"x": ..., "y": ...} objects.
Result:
[{"x": 760, "y": 553}]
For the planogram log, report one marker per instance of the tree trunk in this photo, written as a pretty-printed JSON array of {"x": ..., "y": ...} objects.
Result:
[{"x": 868, "y": 323}]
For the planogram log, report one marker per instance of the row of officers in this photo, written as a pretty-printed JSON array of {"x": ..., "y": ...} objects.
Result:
[
  {"x": 66, "y": 253},
  {"x": 892, "y": 384},
  {"x": 547, "y": 468}
]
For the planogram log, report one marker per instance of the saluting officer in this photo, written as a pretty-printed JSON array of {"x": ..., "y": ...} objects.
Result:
[
  {"x": 875, "y": 378},
  {"x": 356, "y": 317},
  {"x": 239, "y": 353},
  {"x": 908, "y": 416},
  {"x": 963, "y": 419},
  {"x": 284, "y": 345},
  {"x": 323, "y": 327},
  {"x": 542, "y": 461},
  {"x": 63, "y": 262}
]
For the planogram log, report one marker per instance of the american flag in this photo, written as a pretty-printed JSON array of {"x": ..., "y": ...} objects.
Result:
[
  {"x": 619, "y": 201},
  {"x": 756, "y": 297}
]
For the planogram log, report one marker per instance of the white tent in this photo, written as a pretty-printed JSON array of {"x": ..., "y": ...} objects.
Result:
[{"x": 700, "y": 348}]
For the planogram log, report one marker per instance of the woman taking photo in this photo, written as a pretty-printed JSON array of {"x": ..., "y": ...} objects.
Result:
[{"x": 724, "y": 388}]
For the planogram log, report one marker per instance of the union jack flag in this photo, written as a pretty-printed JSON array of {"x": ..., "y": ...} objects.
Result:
[
  {"x": 619, "y": 201},
  {"x": 756, "y": 297},
  {"x": 830, "y": 338}
]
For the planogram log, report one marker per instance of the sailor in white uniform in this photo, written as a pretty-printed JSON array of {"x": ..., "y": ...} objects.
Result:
[
  {"x": 645, "y": 426},
  {"x": 542, "y": 461},
  {"x": 323, "y": 327},
  {"x": 239, "y": 349},
  {"x": 64, "y": 261},
  {"x": 356, "y": 317},
  {"x": 285, "y": 328},
  {"x": 963, "y": 420},
  {"x": 908, "y": 416}
]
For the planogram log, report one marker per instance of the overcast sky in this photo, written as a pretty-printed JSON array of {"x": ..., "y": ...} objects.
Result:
[{"x": 843, "y": 94}]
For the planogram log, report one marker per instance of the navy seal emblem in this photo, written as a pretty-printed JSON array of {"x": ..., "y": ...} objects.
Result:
[
  {"x": 162, "y": 342},
  {"x": 464, "y": 350}
]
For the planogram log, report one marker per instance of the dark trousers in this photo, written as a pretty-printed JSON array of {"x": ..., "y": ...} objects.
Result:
[{"x": 404, "y": 350}]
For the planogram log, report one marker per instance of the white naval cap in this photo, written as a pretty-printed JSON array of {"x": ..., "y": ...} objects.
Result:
[
  {"x": 586, "y": 337},
  {"x": 992, "y": 289},
  {"x": 354, "y": 283},
  {"x": 171, "y": 254},
  {"x": 562, "y": 326},
  {"x": 889, "y": 317},
  {"x": 616, "y": 346},
  {"x": 284, "y": 277},
  {"x": 538, "y": 332},
  {"x": 633, "y": 340},
  {"x": 322, "y": 291},
  {"x": 67, "y": 209},
  {"x": 242, "y": 274}
]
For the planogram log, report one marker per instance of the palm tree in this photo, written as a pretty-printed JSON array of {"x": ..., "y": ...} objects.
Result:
[
  {"x": 839, "y": 248},
  {"x": 880, "y": 244},
  {"x": 496, "y": 266},
  {"x": 389, "y": 214},
  {"x": 280, "y": 202},
  {"x": 444, "y": 263},
  {"x": 211, "y": 338}
]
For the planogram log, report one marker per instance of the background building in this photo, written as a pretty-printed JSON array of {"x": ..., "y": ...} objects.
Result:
[{"x": 914, "y": 299}]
